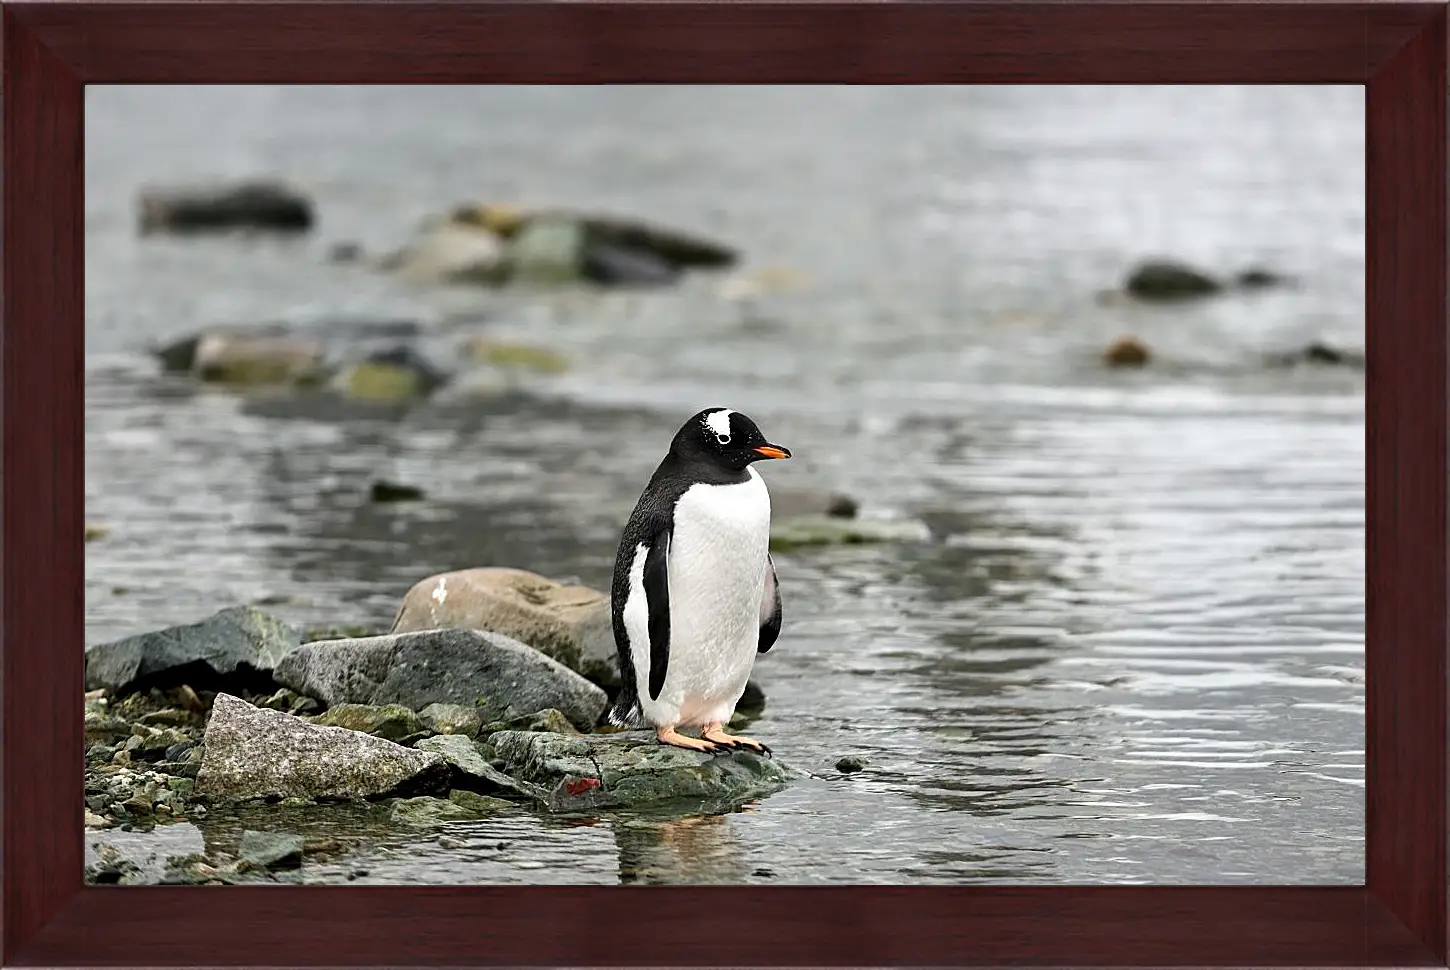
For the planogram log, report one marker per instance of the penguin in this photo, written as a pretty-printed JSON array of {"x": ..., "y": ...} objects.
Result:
[{"x": 695, "y": 597}]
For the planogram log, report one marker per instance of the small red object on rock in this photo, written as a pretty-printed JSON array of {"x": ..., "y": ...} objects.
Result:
[{"x": 581, "y": 786}]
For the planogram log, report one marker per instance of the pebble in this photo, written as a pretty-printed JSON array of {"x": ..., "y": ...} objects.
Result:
[
  {"x": 1126, "y": 352},
  {"x": 851, "y": 763}
]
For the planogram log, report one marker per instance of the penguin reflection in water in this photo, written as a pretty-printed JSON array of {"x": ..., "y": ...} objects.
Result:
[{"x": 695, "y": 597}]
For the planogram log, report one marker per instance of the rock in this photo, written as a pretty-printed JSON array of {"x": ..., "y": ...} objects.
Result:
[
  {"x": 451, "y": 719},
  {"x": 1320, "y": 354},
  {"x": 234, "y": 649},
  {"x": 472, "y": 772},
  {"x": 168, "y": 717},
  {"x": 546, "y": 250},
  {"x": 102, "y": 727},
  {"x": 345, "y": 252},
  {"x": 153, "y": 742},
  {"x": 382, "y": 491},
  {"x": 392, "y": 722},
  {"x": 240, "y": 360},
  {"x": 611, "y": 263},
  {"x": 571, "y": 624},
  {"x": 851, "y": 763},
  {"x": 395, "y": 374},
  {"x": 1126, "y": 352},
  {"x": 792, "y": 504},
  {"x": 178, "y": 751},
  {"x": 479, "y": 804},
  {"x": 261, "y": 204},
  {"x": 556, "y": 245},
  {"x": 679, "y": 249},
  {"x": 271, "y": 850},
  {"x": 290, "y": 702},
  {"x": 498, "y": 353},
  {"x": 753, "y": 700},
  {"x": 1258, "y": 278},
  {"x": 806, "y": 531},
  {"x": 550, "y": 720},
  {"x": 450, "y": 252},
  {"x": 95, "y": 533},
  {"x": 499, "y": 676},
  {"x": 256, "y": 753},
  {"x": 435, "y": 811},
  {"x": 94, "y": 821},
  {"x": 585, "y": 773},
  {"x": 314, "y": 634},
  {"x": 1162, "y": 280}
]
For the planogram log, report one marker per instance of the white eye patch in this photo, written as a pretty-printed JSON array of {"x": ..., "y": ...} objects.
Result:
[
  {"x": 719, "y": 423},
  {"x": 724, "y": 439}
]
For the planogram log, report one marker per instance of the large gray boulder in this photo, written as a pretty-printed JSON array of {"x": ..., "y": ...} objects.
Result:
[
  {"x": 627, "y": 771},
  {"x": 252, "y": 752},
  {"x": 236, "y": 648},
  {"x": 571, "y": 624},
  {"x": 499, "y": 676}
]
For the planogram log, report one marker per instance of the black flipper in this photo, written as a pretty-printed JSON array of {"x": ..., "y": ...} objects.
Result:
[
  {"x": 769, "y": 608},
  {"x": 657, "y": 600}
]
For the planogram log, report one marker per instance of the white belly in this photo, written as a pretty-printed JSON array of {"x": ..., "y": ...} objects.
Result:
[{"x": 717, "y": 578}]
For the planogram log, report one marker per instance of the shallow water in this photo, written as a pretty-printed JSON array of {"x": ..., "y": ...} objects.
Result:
[{"x": 1132, "y": 650}]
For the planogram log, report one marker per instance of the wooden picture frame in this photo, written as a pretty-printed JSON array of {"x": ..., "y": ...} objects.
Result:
[{"x": 52, "y": 49}]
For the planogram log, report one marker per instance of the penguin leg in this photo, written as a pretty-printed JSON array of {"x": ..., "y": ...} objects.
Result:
[
  {"x": 716, "y": 732},
  {"x": 668, "y": 735}
]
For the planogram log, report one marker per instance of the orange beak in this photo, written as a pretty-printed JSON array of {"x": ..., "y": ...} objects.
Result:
[{"x": 772, "y": 451}]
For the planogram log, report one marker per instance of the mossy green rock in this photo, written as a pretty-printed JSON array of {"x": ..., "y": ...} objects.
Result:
[
  {"x": 497, "y": 353},
  {"x": 379, "y": 381},
  {"x": 451, "y": 719},
  {"x": 479, "y": 804},
  {"x": 548, "y": 720},
  {"x": 807, "y": 531},
  {"x": 392, "y": 721},
  {"x": 434, "y": 811},
  {"x": 632, "y": 771}
]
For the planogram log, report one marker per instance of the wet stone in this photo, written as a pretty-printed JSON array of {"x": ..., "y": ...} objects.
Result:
[
  {"x": 392, "y": 721},
  {"x": 271, "y": 850},
  {"x": 451, "y": 719}
]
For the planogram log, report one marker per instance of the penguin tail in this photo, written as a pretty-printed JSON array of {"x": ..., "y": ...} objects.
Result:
[{"x": 625, "y": 714}]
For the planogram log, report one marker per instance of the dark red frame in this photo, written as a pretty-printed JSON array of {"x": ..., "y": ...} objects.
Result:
[{"x": 51, "y": 49}]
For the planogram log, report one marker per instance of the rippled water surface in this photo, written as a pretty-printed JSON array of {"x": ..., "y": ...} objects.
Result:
[{"x": 1132, "y": 650}]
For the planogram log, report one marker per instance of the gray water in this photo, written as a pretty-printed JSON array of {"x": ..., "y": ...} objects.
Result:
[{"x": 1132, "y": 650}]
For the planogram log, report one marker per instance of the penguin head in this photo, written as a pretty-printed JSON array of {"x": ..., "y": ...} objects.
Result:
[{"x": 725, "y": 439}]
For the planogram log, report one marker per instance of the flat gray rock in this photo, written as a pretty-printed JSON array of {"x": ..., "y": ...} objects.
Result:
[
  {"x": 587, "y": 772},
  {"x": 498, "y": 676},
  {"x": 235, "y": 648},
  {"x": 252, "y": 752}
]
